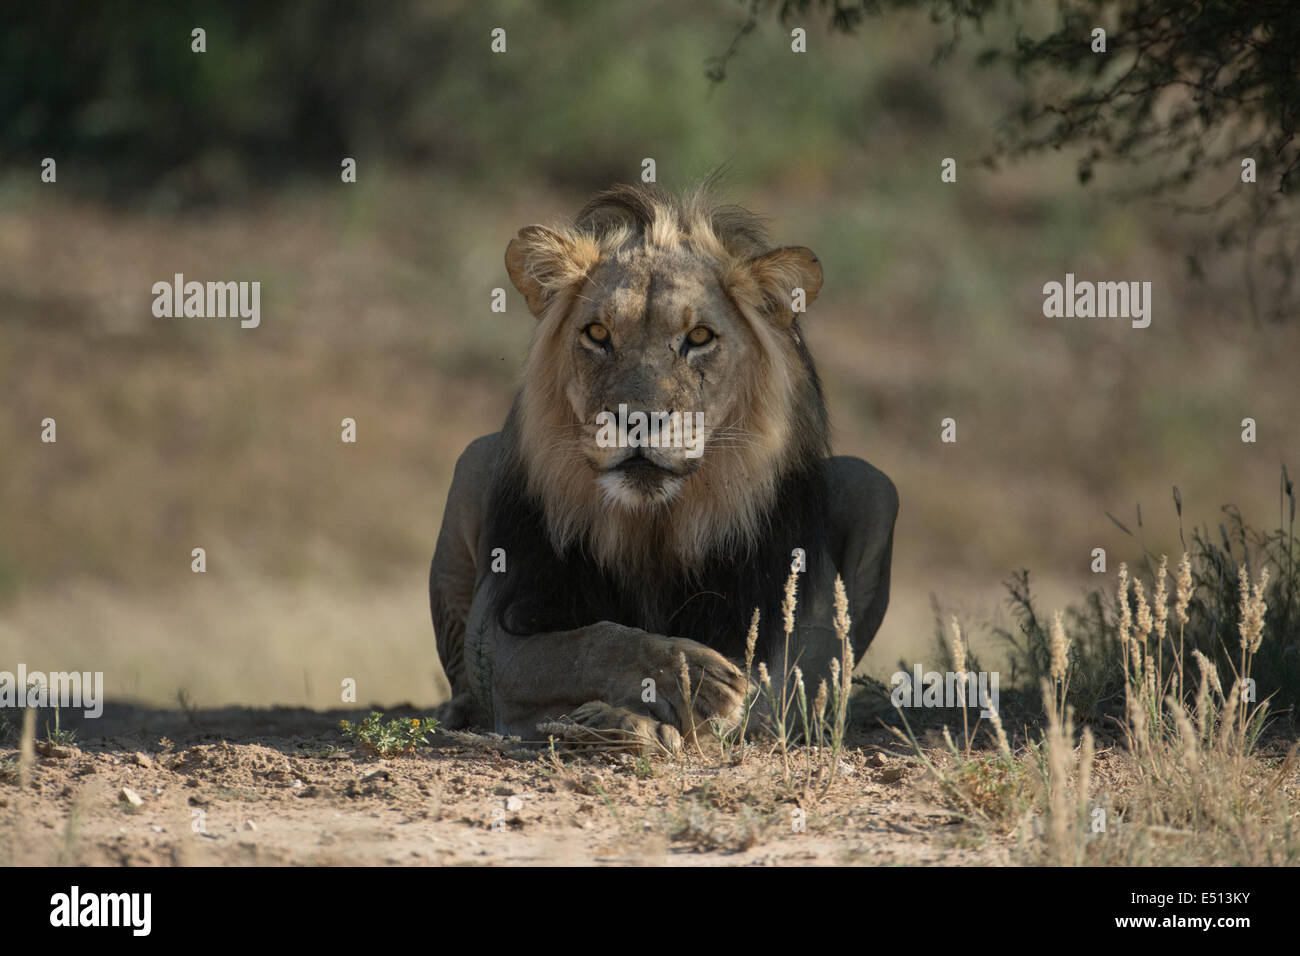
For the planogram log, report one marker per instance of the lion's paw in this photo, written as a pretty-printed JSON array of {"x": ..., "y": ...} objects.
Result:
[
  {"x": 717, "y": 687},
  {"x": 615, "y": 728},
  {"x": 457, "y": 713}
]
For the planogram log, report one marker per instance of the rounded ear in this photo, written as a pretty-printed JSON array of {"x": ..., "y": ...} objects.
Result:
[
  {"x": 787, "y": 281},
  {"x": 539, "y": 261}
]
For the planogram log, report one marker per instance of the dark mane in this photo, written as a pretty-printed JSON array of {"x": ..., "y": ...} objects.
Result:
[
  {"x": 740, "y": 231},
  {"x": 544, "y": 591}
]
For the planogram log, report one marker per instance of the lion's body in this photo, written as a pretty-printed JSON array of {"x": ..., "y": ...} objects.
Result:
[{"x": 569, "y": 569}]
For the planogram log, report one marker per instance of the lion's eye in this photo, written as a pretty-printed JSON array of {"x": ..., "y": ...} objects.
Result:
[
  {"x": 597, "y": 333},
  {"x": 699, "y": 335}
]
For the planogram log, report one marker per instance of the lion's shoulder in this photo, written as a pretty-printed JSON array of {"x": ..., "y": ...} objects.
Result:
[
  {"x": 857, "y": 487},
  {"x": 471, "y": 484},
  {"x": 479, "y": 454},
  {"x": 479, "y": 459},
  {"x": 863, "y": 506},
  {"x": 456, "y": 558}
]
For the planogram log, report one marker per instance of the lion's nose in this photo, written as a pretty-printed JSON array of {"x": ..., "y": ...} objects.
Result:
[{"x": 651, "y": 426}]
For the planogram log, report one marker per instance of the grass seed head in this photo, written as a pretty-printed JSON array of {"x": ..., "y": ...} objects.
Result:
[
  {"x": 1252, "y": 610},
  {"x": 842, "y": 622},
  {"x": 1060, "y": 649},
  {"x": 1143, "y": 613},
  {"x": 788, "y": 603},
  {"x": 958, "y": 648},
  {"x": 1183, "y": 595},
  {"x": 1125, "y": 612},
  {"x": 1161, "y": 598},
  {"x": 996, "y": 719},
  {"x": 1209, "y": 671},
  {"x": 751, "y": 640}
]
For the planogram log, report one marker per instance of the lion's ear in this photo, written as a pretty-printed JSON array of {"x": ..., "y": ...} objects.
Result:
[
  {"x": 541, "y": 262},
  {"x": 778, "y": 276}
]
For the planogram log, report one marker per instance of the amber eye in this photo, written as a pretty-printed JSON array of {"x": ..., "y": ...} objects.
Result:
[
  {"x": 597, "y": 333},
  {"x": 699, "y": 336}
]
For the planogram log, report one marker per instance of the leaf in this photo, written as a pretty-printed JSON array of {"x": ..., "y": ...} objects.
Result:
[{"x": 1119, "y": 524}]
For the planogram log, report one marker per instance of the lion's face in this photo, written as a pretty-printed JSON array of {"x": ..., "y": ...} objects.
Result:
[
  {"x": 659, "y": 359},
  {"x": 666, "y": 390}
]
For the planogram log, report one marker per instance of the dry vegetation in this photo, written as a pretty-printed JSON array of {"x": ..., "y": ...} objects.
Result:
[
  {"x": 182, "y": 433},
  {"x": 1191, "y": 778},
  {"x": 1190, "y": 782}
]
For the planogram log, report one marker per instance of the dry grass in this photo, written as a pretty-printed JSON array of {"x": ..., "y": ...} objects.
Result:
[
  {"x": 813, "y": 768},
  {"x": 1190, "y": 786},
  {"x": 202, "y": 435}
]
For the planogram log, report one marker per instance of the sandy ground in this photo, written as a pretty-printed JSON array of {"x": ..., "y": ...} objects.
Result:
[{"x": 281, "y": 786}]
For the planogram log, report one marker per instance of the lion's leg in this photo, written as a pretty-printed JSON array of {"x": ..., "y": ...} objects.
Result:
[
  {"x": 597, "y": 723},
  {"x": 450, "y": 613},
  {"x": 453, "y": 577},
  {"x": 541, "y": 677},
  {"x": 864, "y": 507},
  {"x": 807, "y": 657}
]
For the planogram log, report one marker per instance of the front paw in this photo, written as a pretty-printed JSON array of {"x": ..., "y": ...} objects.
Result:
[
  {"x": 697, "y": 688},
  {"x": 457, "y": 713},
  {"x": 608, "y": 727}
]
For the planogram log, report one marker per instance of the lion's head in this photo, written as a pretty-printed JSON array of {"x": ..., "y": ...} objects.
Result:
[{"x": 658, "y": 315}]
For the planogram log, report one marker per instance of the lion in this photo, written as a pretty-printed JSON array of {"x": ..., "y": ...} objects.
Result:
[{"x": 665, "y": 464}]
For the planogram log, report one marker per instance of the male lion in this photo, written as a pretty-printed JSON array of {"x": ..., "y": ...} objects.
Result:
[{"x": 571, "y": 568}]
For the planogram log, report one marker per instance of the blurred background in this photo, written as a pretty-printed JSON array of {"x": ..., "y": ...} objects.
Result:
[{"x": 375, "y": 305}]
